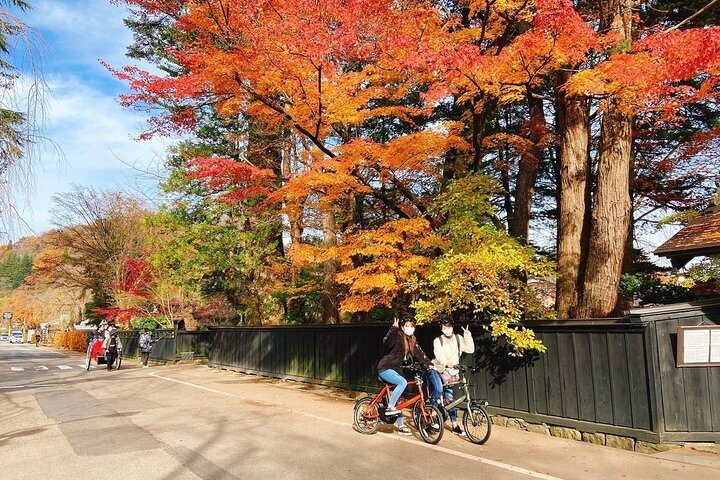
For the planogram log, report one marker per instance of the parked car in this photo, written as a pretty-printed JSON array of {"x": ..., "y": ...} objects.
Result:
[
  {"x": 16, "y": 337},
  {"x": 4, "y": 337}
]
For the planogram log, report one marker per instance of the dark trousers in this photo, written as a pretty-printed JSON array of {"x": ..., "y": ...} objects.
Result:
[
  {"x": 144, "y": 357},
  {"x": 110, "y": 357}
]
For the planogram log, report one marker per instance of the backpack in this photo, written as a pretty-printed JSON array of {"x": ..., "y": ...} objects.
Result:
[{"x": 112, "y": 345}]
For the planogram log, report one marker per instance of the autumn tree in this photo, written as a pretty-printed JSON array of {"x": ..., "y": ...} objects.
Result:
[
  {"x": 373, "y": 108},
  {"x": 95, "y": 231}
]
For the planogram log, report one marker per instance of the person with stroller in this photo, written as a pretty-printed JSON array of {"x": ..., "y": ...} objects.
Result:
[{"x": 448, "y": 348}]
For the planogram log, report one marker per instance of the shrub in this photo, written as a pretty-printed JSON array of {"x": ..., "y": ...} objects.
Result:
[
  {"x": 648, "y": 289},
  {"x": 76, "y": 341}
]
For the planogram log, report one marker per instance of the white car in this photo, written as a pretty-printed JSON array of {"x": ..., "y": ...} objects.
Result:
[
  {"x": 16, "y": 337},
  {"x": 4, "y": 337}
]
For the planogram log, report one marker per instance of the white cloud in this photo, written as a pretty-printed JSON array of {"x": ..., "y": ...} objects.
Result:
[
  {"x": 82, "y": 31},
  {"x": 83, "y": 116},
  {"x": 95, "y": 135}
]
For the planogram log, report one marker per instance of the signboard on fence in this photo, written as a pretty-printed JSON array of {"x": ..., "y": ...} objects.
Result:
[{"x": 698, "y": 346}]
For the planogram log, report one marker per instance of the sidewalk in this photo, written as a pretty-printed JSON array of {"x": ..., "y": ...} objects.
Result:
[{"x": 509, "y": 448}]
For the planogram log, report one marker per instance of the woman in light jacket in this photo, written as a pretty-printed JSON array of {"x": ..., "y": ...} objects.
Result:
[{"x": 447, "y": 349}]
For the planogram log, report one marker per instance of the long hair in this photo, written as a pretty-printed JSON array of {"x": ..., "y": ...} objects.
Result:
[{"x": 408, "y": 342}]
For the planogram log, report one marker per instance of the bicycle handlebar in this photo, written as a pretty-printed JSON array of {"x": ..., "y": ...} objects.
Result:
[{"x": 417, "y": 367}]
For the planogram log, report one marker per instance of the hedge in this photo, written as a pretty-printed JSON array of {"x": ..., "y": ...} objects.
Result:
[{"x": 76, "y": 341}]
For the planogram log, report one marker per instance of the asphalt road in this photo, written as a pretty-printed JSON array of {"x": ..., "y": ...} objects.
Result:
[{"x": 58, "y": 421}]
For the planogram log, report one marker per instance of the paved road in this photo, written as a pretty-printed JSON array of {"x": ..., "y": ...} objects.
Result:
[{"x": 190, "y": 422}]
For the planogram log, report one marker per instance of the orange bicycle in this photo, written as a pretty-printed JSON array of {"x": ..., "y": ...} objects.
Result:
[{"x": 370, "y": 411}]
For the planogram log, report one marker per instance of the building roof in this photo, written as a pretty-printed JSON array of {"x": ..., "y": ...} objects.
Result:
[{"x": 700, "y": 237}]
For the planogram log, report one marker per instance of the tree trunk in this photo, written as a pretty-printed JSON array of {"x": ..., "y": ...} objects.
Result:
[
  {"x": 519, "y": 224},
  {"x": 573, "y": 198},
  {"x": 294, "y": 215},
  {"x": 265, "y": 150},
  {"x": 611, "y": 215},
  {"x": 612, "y": 208},
  {"x": 331, "y": 312}
]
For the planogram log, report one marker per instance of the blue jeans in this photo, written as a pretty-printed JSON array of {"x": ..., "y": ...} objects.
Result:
[
  {"x": 438, "y": 390},
  {"x": 393, "y": 377}
]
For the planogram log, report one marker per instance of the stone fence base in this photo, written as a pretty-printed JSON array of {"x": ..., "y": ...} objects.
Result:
[{"x": 615, "y": 441}]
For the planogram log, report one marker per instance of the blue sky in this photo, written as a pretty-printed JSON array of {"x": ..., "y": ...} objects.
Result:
[{"x": 84, "y": 118}]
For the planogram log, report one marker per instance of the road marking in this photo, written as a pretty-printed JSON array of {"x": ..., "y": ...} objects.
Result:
[
  {"x": 17, "y": 369},
  {"x": 466, "y": 456},
  {"x": 24, "y": 386},
  {"x": 64, "y": 367},
  {"x": 41, "y": 367},
  {"x": 82, "y": 366},
  {"x": 156, "y": 375}
]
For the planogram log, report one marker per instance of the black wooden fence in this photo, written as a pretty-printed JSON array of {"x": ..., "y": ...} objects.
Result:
[
  {"x": 172, "y": 346},
  {"x": 612, "y": 376}
]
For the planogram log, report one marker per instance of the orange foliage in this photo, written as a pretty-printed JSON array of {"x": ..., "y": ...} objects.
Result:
[
  {"x": 76, "y": 341},
  {"x": 46, "y": 265},
  {"x": 324, "y": 69},
  {"x": 376, "y": 264}
]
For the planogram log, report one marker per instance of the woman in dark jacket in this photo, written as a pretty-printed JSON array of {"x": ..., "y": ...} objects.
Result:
[{"x": 404, "y": 350}]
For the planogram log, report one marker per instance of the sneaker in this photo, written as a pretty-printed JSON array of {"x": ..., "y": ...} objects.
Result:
[
  {"x": 391, "y": 411},
  {"x": 435, "y": 425},
  {"x": 457, "y": 430},
  {"x": 145, "y": 366},
  {"x": 404, "y": 431}
]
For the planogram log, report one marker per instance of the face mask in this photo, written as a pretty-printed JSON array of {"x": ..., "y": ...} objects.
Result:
[
  {"x": 447, "y": 331},
  {"x": 409, "y": 330}
]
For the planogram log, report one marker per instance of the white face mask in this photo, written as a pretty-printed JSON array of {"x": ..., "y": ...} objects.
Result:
[
  {"x": 447, "y": 331},
  {"x": 409, "y": 330}
]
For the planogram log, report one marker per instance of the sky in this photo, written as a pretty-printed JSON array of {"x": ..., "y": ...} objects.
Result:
[{"x": 94, "y": 133}]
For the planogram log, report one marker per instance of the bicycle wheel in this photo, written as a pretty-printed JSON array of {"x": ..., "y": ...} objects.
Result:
[
  {"x": 87, "y": 357},
  {"x": 477, "y": 424},
  {"x": 366, "y": 417},
  {"x": 416, "y": 412},
  {"x": 118, "y": 361},
  {"x": 430, "y": 424}
]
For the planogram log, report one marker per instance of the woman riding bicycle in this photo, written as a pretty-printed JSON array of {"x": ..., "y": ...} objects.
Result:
[
  {"x": 404, "y": 351},
  {"x": 448, "y": 348}
]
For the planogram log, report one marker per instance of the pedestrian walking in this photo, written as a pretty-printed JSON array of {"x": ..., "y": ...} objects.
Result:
[{"x": 146, "y": 342}]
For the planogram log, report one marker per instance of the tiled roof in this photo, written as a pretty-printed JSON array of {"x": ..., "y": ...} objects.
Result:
[{"x": 699, "y": 237}]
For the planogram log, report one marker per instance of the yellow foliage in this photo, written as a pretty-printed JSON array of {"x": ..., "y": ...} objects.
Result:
[{"x": 75, "y": 341}]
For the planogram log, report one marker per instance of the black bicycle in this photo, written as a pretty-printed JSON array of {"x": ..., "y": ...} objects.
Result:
[{"x": 476, "y": 419}]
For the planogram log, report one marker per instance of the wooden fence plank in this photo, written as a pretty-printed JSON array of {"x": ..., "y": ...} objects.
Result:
[
  {"x": 671, "y": 378},
  {"x": 568, "y": 378},
  {"x": 602, "y": 389},
  {"x": 583, "y": 368}
]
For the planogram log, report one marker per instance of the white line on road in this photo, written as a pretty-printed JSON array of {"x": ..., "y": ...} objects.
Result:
[
  {"x": 466, "y": 456},
  {"x": 17, "y": 369},
  {"x": 25, "y": 386},
  {"x": 64, "y": 367},
  {"x": 82, "y": 366},
  {"x": 41, "y": 367},
  {"x": 155, "y": 374}
]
